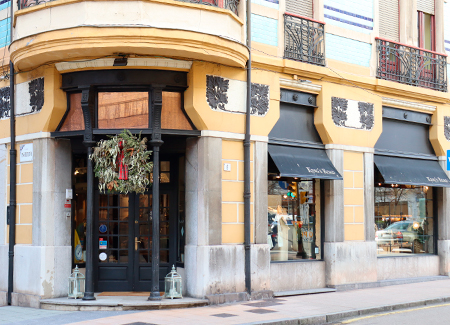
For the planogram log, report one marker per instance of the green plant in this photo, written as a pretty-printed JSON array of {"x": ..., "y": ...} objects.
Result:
[{"x": 129, "y": 151}]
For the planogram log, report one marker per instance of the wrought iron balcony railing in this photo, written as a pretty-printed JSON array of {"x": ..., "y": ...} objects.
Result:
[
  {"x": 411, "y": 65},
  {"x": 231, "y": 5},
  {"x": 304, "y": 39}
]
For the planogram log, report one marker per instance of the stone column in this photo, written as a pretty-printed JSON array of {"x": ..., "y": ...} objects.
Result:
[{"x": 46, "y": 264}]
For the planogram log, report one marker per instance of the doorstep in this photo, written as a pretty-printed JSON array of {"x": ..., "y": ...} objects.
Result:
[{"x": 119, "y": 303}]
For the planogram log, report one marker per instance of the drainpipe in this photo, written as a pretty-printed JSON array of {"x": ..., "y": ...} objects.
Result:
[
  {"x": 12, "y": 172},
  {"x": 247, "y": 193}
]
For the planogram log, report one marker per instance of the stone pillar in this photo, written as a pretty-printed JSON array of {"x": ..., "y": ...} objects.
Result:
[
  {"x": 369, "y": 198},
  {"x": 46, "y": 265},
  {"x": 443, "y": 220},
  {"x": 347, "y": 262}
]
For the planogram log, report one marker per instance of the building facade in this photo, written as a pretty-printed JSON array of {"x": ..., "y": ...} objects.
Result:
[{"x": 349, "y": 131}]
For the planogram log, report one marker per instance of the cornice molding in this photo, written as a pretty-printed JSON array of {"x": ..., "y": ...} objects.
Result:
[
  {"x": 301, "y": 85},
  {"x": 132, "y": 62},
  {"x": 408, "y": 105}
]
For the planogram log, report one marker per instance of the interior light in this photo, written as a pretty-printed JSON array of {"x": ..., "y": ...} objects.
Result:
[{"x": 416, "y": 225}]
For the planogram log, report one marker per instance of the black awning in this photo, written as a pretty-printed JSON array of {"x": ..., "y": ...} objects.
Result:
[
  {"x": 302, "y": 162},
  {"x": 409, "y": 171}
]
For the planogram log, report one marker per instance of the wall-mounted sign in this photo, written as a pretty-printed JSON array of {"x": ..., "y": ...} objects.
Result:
[
  {"x": 102, "y": 244},
  {"x": 448, "y": 159},
  {"x": 102, "y": 228},
  {"x": 26, "y": 152},
  {"x": 67, "y": 204}
]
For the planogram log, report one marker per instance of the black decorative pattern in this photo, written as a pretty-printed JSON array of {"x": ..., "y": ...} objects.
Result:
[
  {"x": 259, "y": 99},
  {"x": 339, "y": 110},
  {"x": 447, "y": 127},
  {"x": 216, "y": 92},
  {"x": 366, "y": 118},
  {"x": 36, "y": 89},
  {"x": 5, "y": 107}
]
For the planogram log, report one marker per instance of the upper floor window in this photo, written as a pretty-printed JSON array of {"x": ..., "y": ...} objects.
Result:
[
  {"x": 426, "y": 24},
  {"x": 389, "y": 13}
]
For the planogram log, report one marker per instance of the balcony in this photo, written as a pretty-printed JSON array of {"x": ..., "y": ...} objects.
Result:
[
  {"x": 411, "y": 65},
  {"x": 304, "y": 39},
  {"x": 231, "y": 5}
]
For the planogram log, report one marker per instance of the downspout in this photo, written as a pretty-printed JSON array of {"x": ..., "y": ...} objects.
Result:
[
  {"x": 247, "y": 193},
  {"x": 12, "y": 171}
]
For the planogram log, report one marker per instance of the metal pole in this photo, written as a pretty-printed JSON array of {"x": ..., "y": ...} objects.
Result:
[
  {"x": 156, "y": 143},
  {"x": 12, "y": 185},
  {"x": 89, "y": 289},
  {"x": 87, "y": 103},
  {"x": 247, "y": 193}
]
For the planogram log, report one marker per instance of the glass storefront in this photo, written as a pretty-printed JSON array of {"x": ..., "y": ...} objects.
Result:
[
  {"x": 404, "y": 219},
  {"x": 294, "y": 223}
]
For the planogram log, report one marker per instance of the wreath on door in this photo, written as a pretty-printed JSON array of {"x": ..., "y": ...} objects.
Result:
[{"x": 122, "y": 163}]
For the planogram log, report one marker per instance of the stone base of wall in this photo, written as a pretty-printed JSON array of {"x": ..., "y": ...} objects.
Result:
[
  {"x": 25, "y": 300},
  {"x": 3, "y": 298},
  {"x": 297, "y": 275},
  {"x": 220, "y": 269},
  {"x": 350, "y": 262},
  {"x": 444, "y": 256},
  {"x": 407, "y": 267}
]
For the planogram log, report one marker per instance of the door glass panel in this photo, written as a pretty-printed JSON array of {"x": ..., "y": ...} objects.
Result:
[
  {"x": 123, "y": 256},
  {"x": 123, "y": 228},
  {"x": 164, "y": 256},
  {"x": 124, "y": 214}
]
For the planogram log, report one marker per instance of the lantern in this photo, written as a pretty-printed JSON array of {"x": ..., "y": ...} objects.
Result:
[
  {"x": 173, "y": 285},
  {"x": 76, "y": 284}
]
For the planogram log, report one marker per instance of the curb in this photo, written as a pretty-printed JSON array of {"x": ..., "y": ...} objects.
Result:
[{"x": 335, "y": 317}]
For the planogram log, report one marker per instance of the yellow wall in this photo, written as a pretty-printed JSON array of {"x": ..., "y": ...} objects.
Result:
[
  {"x": 233, "y": 192},
  {"x": 353, "y": 195},
  {"x": 24, "y": 198}
]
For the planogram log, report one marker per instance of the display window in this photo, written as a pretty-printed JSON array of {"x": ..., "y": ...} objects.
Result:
[
  {"x": 404, "y": 219},
  {"x": 294, "y": 219}
]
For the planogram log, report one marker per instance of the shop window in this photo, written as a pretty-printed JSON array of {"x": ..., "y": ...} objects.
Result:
[
  {"x": 294, "y": 222},
  {"x": 74, "y": 120},
  {"x": 123, "y": 110},
  {"x": 404, "y": 219}
]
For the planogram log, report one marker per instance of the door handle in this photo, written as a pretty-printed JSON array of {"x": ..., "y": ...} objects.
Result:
[{"x": 136, "y": 241}]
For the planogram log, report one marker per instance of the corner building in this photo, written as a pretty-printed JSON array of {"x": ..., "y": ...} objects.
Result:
[{"x": 349, "y": 129}]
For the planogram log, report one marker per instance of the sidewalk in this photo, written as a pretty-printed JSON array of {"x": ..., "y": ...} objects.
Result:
[{"x": 306, "y": 309}]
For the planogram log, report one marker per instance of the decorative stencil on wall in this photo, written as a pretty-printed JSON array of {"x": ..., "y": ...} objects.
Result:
[
  {"x": 447, "y": 127},
  {"x": 4, "y": 102},
  {"x": 36, "y": 90},
  {"x": 230, "y": 96},
  {"x": 260, "y": 99},
  {"x": 352, "y": 114}
]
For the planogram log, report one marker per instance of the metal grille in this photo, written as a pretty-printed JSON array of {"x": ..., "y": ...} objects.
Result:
[
  {"x": 426, "y": 6},
  {"x": 231, "y": 5},
  {"x": 389, "y": 19},
  {"x": 304, "y": 40},
  {"x": 411, "y": 66},
  {"x": 300, "y": 7}
]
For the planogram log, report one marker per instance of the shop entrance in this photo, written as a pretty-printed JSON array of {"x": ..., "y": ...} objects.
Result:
[{"x": 123, "y": 236}]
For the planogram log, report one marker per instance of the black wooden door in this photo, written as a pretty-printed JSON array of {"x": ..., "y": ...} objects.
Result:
[{"x": 123, "y": 236}]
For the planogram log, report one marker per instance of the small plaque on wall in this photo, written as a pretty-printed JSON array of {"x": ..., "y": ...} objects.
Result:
[{"x": 26, "y": 152}]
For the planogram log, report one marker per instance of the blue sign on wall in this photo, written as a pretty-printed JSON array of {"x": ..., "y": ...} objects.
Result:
[{"x": 448, "y": 159}]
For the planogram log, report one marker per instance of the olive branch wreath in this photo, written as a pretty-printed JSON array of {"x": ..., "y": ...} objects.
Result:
[{"x": 126, "y": 150}]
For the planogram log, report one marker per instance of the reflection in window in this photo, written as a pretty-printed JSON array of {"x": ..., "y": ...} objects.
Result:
[
  {"x": 294, "y": 220},
  {"x": 404, "y": 222},
  {"x": 123, "y": 110},
  {"x": 172, "y": 114},
  {"x": 74, "y": 120}
]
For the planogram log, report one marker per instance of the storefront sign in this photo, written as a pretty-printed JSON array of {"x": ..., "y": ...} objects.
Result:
[
  {"x": 320, "y": 171},
  {"x": 26, "y": 152},
  {"x": 102, "y": 244}
]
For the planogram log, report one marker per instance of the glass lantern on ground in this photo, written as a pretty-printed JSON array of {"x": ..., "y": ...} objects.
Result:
[
  {"x": 173, "y": 285},
  {"x": 76, "y": 284}
]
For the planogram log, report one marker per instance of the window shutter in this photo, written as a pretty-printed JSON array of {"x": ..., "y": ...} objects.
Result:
[
  {"x": 389, "y": 20},
  {"x": 426, "y": 6},
  {"x": 300, "y": 7}
]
